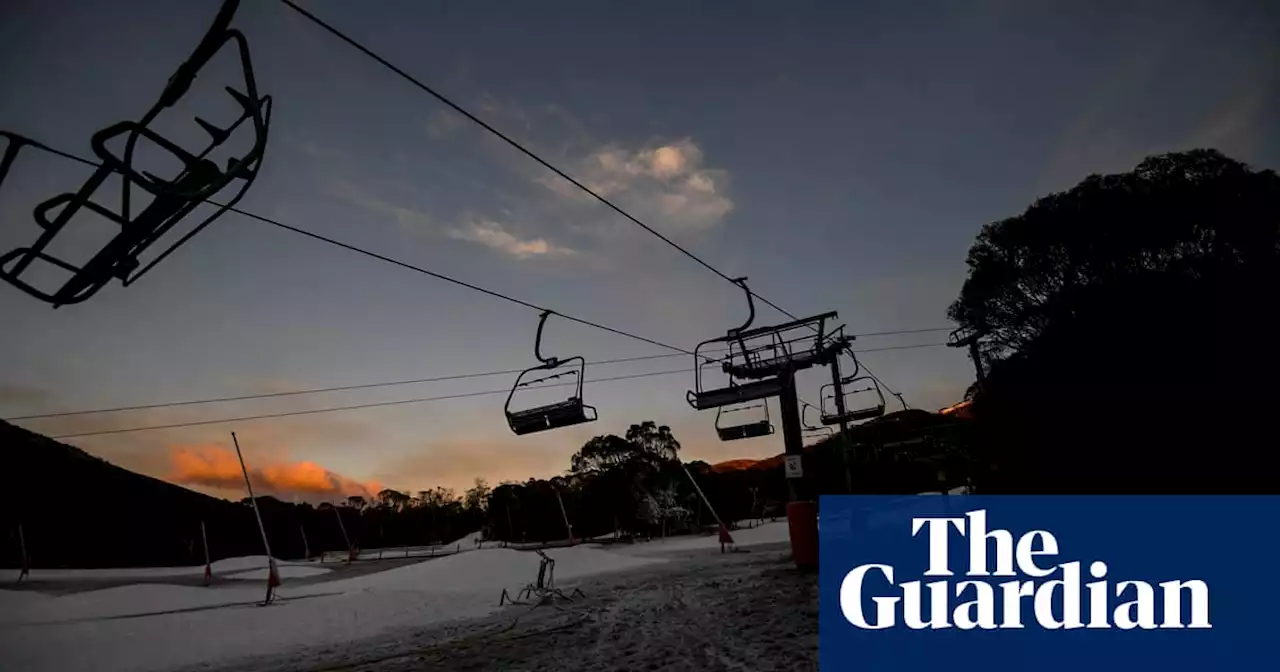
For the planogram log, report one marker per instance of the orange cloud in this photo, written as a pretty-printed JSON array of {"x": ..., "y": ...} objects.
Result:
[{"x": 216, "y": 466}]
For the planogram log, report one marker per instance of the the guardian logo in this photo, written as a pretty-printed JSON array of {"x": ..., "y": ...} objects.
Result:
[{"x": 978, "y": 600}]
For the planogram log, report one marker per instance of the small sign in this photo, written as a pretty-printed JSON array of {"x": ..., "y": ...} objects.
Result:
[{"x": 794, "y": 470}]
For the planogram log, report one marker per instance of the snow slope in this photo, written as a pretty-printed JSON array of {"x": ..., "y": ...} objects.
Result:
[
  {"x": 126, "y": 573},
  {"x": 766, "y": 533},
  {"x": 139, "y": 628},
  {"x": 289, "y": 571}
]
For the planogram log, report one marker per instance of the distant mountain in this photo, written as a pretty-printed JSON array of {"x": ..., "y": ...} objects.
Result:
[{"x": 735, "y": 465}]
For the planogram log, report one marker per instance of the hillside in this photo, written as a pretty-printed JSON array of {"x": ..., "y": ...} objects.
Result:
[{"x": 80, "y": 510}]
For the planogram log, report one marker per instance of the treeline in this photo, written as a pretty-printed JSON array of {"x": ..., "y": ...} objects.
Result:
[{"x": 615, "y": 487}]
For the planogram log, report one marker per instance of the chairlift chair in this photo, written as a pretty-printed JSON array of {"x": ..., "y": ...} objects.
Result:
[
  {"x": 831, "y": 414},
  {"x": 705, "y": 396},
  {"x": 810, "y": 429},
  {"x": 963, "y": 337},
  {"x": 174, "y": 197},
  {"x": 744, "y": 430},
  {"x": 767, "y": 352},
  {"x": 756, "y": 358},
  {"x": 550, "y": 416}
]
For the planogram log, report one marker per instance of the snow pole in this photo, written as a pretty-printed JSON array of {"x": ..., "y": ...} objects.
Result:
[
  {"x": 208, "y": 566},
  {"x": 26, "y": 559},
  {"x": 273, "y": 576},
  {"x": 568, "y": 526},
  {"x": 306, "y": 548},
  {"x": 351, "y": 552},
  {"x": 725, "y": 537}
]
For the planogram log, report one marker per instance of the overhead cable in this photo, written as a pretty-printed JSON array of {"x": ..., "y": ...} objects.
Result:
[
  {"x": 334, "y": 409},
  {"x": 366, "y": 386},
  {"x": 530, "y": 153}
]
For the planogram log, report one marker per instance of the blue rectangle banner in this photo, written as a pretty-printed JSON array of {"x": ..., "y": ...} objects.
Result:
[{"x": 934, "y": 582}]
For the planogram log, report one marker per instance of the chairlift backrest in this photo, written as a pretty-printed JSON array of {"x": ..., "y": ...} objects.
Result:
[{"x": 835, "y": 411}]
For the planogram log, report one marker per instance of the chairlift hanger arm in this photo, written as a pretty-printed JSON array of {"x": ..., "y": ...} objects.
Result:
[
  {"x": 751, "y": 307},
  {"x": 537, "y": 344}
]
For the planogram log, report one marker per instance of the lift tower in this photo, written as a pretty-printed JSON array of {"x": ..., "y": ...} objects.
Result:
[{"x": 762, "y": 362}]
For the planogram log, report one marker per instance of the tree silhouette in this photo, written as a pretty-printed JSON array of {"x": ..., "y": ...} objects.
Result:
[
  {"x": 393, "y": 499},
  {"x": 477, "y": 496},
  {"x": 1191, "y": 213},
  {"x": 1129, "y": 325}
]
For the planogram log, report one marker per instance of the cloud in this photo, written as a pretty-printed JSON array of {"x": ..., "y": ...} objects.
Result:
[
  {"x": 216, "y": 466},
  {"x": 664, "y": 184},
  {"x": 409, "y": 219},
  {"x": 479, "y": 230},
  {"x": 493, "y": 235}
]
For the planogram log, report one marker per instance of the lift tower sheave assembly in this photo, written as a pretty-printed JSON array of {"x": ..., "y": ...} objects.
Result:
[{"x": 762, "y": 362}]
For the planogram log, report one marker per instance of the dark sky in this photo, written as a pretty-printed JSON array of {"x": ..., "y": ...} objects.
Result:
[{"x": 841, "y": 154}]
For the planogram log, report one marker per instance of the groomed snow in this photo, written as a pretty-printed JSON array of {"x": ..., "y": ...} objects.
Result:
[
  {"x": 289, "y": 571},
  {"x": 461, "y": 545},
  {"x": 127, "y": 573},
  {"x": 767, "y": 533},
  {"x": 127, "y": 628}
]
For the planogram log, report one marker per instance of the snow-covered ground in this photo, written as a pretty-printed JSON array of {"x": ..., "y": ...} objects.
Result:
[
  {"x": 467, "y": 543},
  {"x": 701, "y": 611},
  {"x": 151, "y": 626},
  {"x": 285, "y": 571},
  {"x": 157, "y": 626},
  {"x": 227, "y": 566},
  {"x": 767, "y": 533}
]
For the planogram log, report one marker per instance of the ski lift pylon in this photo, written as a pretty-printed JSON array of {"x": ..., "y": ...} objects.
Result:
[
  {"x": 752, "y": 429},
  {"x": 550, "y": 416},
  {"x": 174, "y": 197}
]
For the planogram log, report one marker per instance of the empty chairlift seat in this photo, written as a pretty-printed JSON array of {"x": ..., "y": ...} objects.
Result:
[
  {"x": 555, "y": 415},
  {"x": 747, "y": 421},
  {"x": 734, "y": 394},
  {"x": 862, "y": 400},
  {"x": 552, "y": 416}
]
